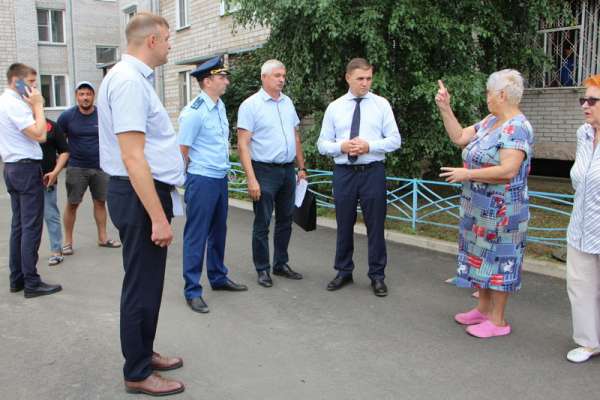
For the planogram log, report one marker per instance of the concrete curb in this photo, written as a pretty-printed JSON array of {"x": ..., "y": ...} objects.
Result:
[{"x": 548, "y": 268}]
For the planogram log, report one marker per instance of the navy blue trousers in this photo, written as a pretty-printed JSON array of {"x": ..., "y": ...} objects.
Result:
[
  {"x": 277, "y": 190},
  {"x": 205, "y": 231},
  {"x": 367, "y": 187},
  {"x": 144, "y": 265},
  {"x": 26, "y": 190}
]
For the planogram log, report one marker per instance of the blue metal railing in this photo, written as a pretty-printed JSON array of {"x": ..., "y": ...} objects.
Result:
[{"x": 425, "y": 202}]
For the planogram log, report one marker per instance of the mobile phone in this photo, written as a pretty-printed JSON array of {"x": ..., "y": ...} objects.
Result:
[{"x": 22, "y": 87}]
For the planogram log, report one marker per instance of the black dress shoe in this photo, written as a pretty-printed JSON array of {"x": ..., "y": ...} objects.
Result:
[
  {"x": 264, "y": 279},
  {"x": 231, "y": 286},
  {"x": 339, "y": 282},
  {"x": 379, "y": 287},
  {"x": 43, "y": 289},
  {"x": 197, "y": 304},
  {"x": 287, "y": 272},
  {"x": 17, "y": 288}
]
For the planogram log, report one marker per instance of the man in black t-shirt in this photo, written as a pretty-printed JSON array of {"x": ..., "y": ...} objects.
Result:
[{"x": 56, "y": 154}]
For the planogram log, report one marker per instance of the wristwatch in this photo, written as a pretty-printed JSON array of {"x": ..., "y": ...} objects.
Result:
[{"x": 302, "y": 169}]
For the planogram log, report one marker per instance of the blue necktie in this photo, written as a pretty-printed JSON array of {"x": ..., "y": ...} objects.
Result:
[{"x": 355, "y": 127}]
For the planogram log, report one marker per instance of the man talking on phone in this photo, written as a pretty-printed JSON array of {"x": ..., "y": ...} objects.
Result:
[{"x": 23, "y": 127}]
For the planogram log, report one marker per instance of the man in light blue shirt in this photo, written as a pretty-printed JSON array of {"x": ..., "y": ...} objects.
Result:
[
  {"x": 138, "y": 149},
  {"x": 268, "y": 143},
  {"x": 204, "y": 143},
  {"x": 358, "y": 129}
]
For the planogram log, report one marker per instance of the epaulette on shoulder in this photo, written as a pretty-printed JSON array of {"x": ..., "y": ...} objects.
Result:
[{"x": 197, "y": 103}]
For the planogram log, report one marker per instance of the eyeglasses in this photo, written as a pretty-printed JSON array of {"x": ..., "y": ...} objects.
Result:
[{"x": 590, "y": 100}]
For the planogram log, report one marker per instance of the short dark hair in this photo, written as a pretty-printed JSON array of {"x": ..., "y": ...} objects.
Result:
[
  {"x": 201, "y": 79},
  {"x": 358, "y": 63},
  {"x": 19, "y": 70}
]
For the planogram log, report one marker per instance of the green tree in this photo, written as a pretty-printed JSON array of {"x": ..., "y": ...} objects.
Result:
[{"x": 412, "y": 44}]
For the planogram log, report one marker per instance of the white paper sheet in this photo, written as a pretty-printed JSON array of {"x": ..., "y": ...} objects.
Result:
[
  {"x": 301, "y": 187},
  {"x": 177, "y": 203}
]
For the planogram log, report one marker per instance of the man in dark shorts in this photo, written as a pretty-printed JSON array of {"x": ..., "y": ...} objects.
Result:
[{"x": 80, "y": 125}]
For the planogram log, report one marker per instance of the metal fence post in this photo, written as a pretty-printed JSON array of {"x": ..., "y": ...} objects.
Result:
[{"x": 414, "y": 204}]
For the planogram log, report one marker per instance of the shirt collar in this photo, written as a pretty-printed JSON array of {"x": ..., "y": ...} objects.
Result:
[
  {"x": 350, "y": 96},
  {"x": 589, "y": 132},
  {"x": 13, "y": 93},
  {"x": 208, "y": 101},
  {"x": 139, "y": 65},
  {"x": 266, "y": 96},
  {"x": 10, "y": 92}
]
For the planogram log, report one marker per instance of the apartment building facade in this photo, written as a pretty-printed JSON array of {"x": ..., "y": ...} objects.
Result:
[
  {"x": 65, "y": 40},
  {"x": 200, "y": 29}
]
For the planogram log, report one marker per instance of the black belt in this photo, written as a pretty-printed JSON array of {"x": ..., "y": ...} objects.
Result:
[
  {"x": 159, "y": 185},
  {"x": 279, "y": 165},
  {"x": 25, "y": 161},
  {"x": 360, "y": 167}
]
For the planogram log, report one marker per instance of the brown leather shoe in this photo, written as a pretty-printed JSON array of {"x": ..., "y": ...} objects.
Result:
[
  {"x": 155, "y": 385},
  {"x": 162, "y": 363}
]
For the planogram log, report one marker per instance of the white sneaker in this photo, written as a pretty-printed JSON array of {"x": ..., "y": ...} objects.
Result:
[{"x": 582, "y": 354}]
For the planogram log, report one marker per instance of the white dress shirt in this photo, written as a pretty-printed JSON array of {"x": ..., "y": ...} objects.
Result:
[
  {"x": 16, "y": 115},
  {"x": 377, "y": 126},
  {"x": 127, "y": 102}
]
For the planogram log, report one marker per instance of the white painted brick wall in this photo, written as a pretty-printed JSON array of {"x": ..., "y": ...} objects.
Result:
[{"x": 555, "y": 116}]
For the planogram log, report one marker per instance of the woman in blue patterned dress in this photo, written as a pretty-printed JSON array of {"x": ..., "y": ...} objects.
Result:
[{"x": 494, "y": 210}]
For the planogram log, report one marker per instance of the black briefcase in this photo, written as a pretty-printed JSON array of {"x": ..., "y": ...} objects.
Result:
[{"x": 306, "y": 215}]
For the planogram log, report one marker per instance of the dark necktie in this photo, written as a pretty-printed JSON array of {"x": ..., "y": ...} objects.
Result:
[{"x": 355, "y": 127}]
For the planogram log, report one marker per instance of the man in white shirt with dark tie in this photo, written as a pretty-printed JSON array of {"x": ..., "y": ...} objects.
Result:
[{"x": 358, "y": 129}]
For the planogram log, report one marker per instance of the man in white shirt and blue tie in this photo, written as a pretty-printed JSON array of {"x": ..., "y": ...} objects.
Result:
[{"x": 358, "y": 129}]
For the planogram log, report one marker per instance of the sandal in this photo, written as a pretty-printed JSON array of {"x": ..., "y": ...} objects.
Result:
[
  {"x": 55, "y": 260},
  {"x": 113, "y": 244},
  {"x": 67, "y": 249}
]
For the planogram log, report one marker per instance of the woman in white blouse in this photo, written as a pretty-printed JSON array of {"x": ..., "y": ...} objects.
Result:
[{"x": 583, "y": 237}]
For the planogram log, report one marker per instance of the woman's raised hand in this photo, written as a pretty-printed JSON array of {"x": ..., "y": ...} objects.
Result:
[{"x": 442, "y": 98}]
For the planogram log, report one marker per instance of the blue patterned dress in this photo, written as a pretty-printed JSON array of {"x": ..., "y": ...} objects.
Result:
[{"x": 494, "y": 217}]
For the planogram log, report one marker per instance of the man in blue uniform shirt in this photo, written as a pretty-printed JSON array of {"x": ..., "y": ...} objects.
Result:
[
  {"x": 358, "y": 129},
  {"x": 204, "y": 143},
  {"x": 138, "y": 149}
]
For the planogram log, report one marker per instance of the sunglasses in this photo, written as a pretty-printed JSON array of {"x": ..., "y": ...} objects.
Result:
[{"x": 590, "y": 100}]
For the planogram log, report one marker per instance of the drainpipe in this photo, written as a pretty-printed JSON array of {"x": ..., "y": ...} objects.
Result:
[
  {"x": 73, "y": 62},
  {"x": 155, "y": 8}
]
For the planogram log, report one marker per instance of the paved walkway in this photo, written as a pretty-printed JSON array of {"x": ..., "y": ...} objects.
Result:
[{"x": 293, "y": 341}]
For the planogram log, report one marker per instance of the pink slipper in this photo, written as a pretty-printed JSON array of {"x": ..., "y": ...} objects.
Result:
[
  {"x": 470, "y": 317},
  {"x": 487, "y": 329}
]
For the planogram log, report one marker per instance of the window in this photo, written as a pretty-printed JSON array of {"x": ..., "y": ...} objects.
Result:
[
  {"x": 182, "y": 14},
  {"x": 228, "y": 7},
  {"x": 129, "y": 13},
  {"x": 51, "y": 27},
  {"x": 572, "y": 46},
  {"x": 185, "y": 88},
  {"x": 106, "y": 54},
  {"x": 54, "y": 90}
]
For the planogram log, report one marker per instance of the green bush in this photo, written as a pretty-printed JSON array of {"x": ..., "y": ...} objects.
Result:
[{"x": 412, "y": 44}]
